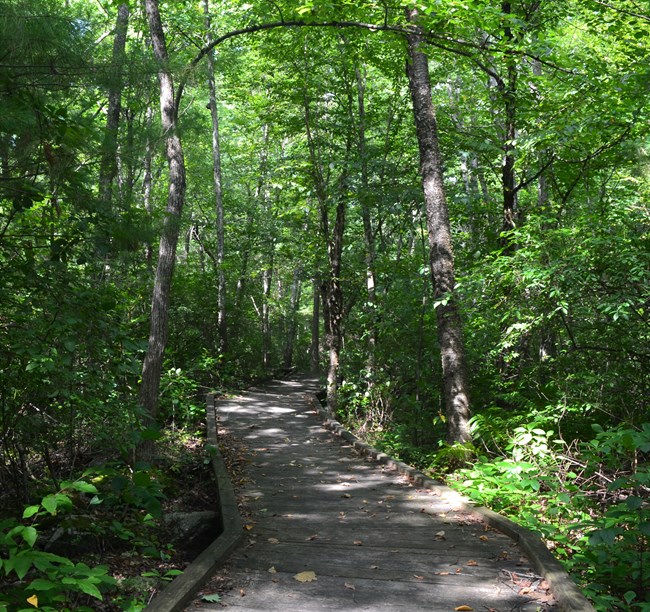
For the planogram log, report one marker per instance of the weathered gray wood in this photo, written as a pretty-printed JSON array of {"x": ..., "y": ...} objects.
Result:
[{"x": 373, "y": 540}]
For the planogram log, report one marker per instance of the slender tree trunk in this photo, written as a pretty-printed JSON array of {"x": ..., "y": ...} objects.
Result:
[
  {"x": 158, "y": 332},
  {"x": 267, "y": 275},
  {"x": 334, "y": 334},
  {"x": 292, "y": 318},
  {"x": 450, "y": 337},
  {"x": 218, "y": 193},
  {"x": 509, "y": 94},
  {"x": 147, "y": 181},
  {"x": 314, "y": 350},
  {"x": 332, "y": 291},
  {"x": 108, "y": 163},
  {"x": 368, "y": 234}
]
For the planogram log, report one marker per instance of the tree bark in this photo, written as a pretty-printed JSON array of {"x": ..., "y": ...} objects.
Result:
[
  {"x": 218, "y": 193},
  {"x": 368, "y": 233},
  {"x": 292, "y": 318},
  {"x": 314, "y": 350},
  {"x": 158, "y": 331},
  {"x": 450, "y": 337},
  {"x": 108, "y": 163},
  {"x": 509, "y": 93}
]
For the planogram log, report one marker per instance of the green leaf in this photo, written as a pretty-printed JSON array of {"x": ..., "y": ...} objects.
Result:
[
  {"x": 214, "y": 598},
  {"x": 29, "y": 535},
  {"x": 90, "y": 589},
  {"x": 50, "y": 504},
  {"x": 30, "y": 511},
  {"x": 83, "y": 487},
  {"x": 22, "y": 564},
  {"x": 40, "y": 584},
  {"x": 634, "y": 503}
]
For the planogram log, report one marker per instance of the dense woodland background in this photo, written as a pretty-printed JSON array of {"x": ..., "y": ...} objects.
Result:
[{"x": 294, "y": 222}]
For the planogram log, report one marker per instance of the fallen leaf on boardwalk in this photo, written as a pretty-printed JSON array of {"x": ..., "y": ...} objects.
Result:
[
  {"x": 484, "y": 538},
  {"x": 248, "y": 527},
  {"x": 440, "y": 535},
  {"x": 273, "y": 541},
  {"x": 305, "y": 576},
  {"x": 441, "y": 573},
  {"x": 459, "y": 570},
  {"x": 374, "y": 567},
  {"x": 358, "y": 543},
  {"x": 418, "y": 577},
  {"x": 272, "y": 570},
  {"x": 242, "y": 593},
  {"x": 463, "y": 609},
  {"x": 312, "y": 537},
  {"x": 471, "y": 563},
  {"x": 346, "y": 495},
  {"x": 350, "y": 586}
]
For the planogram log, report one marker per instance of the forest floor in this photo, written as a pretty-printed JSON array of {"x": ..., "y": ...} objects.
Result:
[{"x": 189, "y": 488}]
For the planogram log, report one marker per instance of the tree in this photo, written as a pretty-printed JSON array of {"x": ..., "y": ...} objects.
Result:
[
  {"x": 159, "y": 323},
  {"x": 450, "y": 337}
]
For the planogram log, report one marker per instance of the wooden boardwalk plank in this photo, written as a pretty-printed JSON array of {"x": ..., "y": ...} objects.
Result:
[{"x": 373, "y": 541}]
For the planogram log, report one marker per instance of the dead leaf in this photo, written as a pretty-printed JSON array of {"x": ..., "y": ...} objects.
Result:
[
  {"x": 307, "y": 576},
  {"x": 346, "y": 495},
  {"x": 273, "y": 541},
  {"x": 440, "y": 535},
  {"x": 242, "y": 593},
  {"x": 471, "y": 563},
  {"x": 463, "y": 609},
  {"x": 358, "y": 543},
  {"x": 350, "y": 586},
  {"x": 483, "y": 538},
  {"x": 272, "y": 570},
  {"x": 374, "y": 567},
  {"x": 312, "y": 537},
  {"x": 248, "y": 527},
  {"x": 418, "y": 577}
]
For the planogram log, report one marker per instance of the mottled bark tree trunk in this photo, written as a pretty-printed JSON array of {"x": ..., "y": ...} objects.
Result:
[
  {"x": 314, "y": 350},
  {"x": 159, "y": 324},
  {"x": 108, "y": 162},
  {"x": 368, "y": 233},
  {"x": 508, "y": 89},
  {"x": 450, "y": 337},
  {"x": 292, "y": 316},
  {"x": 218, "y": 194}
]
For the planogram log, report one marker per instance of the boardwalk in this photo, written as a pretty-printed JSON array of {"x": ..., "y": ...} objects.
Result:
[{"x": 330, "y": 530}]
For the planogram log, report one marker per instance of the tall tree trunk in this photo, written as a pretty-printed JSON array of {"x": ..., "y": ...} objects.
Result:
[
  {"x": 508, "y": 90},
  {"x": 332, "y": 290},
  {"x": 267, "y": 275},
  {"x": 314, "y": 349},
  {"x": 108, "y": 162},
  {"x": 218, "y": 193},
  {"x": 292, "y": 318},
  {"x": 334, "y": 332},
  {"x": 368, "y": 234},
  {"x": 158, "y": 331},
  {"x": 147, "y": 180},
  {"x": 450, "y": 337}
]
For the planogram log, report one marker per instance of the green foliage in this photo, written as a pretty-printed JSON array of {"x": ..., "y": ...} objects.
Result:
[
  {"x": 589, "y": 503},
  {"x": 56, "y": 581}
]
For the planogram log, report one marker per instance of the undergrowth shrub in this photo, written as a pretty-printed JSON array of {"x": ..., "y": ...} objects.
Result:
[{"x": 589, "y": 501}]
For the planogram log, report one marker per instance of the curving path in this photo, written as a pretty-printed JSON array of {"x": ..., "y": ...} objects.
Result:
[{"x": 330, "y": 530}]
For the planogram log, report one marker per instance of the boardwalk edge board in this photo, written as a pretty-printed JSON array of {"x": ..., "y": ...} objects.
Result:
[
  {"x": 180, "y": 591},
  {"x": 564, "y": 589}
]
